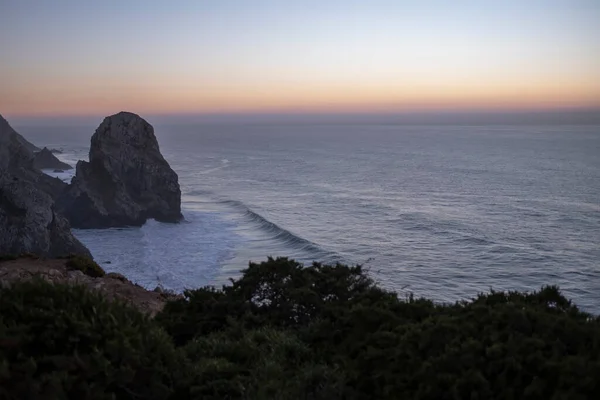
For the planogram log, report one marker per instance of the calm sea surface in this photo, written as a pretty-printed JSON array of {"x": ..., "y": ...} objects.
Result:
[{"x": 440, "y": 211}]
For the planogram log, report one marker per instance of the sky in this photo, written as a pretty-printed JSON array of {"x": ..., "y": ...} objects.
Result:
[{"x": 97, "y": 57}]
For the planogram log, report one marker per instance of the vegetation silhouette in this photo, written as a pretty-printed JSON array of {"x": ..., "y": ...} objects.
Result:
[{"x": 286, "y": 331}]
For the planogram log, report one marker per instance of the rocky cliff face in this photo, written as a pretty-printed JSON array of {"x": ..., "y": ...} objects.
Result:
[
  {"x": 29, "y": 222},
  {"x": 126, "y": 180},
  {"x": 13, "y": 154},
  {"x": 44, "y": 159},
  {"x": 27, "y": 144},
  {"x": 17, "y": 159},
  {"x": 20, "y": 140}
]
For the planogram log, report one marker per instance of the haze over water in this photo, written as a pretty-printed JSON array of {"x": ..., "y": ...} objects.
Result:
[{"x": 441, "y": 211}]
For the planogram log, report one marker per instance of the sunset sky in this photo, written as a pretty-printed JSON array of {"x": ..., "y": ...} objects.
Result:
[{"x": 84, "y": 57}]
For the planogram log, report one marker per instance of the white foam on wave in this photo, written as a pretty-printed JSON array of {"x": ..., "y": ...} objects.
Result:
[
  {"x": 175, "y": 256},
  {"x": 262, "y": 237}
]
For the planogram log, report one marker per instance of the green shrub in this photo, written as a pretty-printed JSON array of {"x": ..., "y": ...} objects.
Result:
[
  {"x": 260, "y": 364},
  {"x": 279, "y": 293},
  {"x": 283, "y": 331},
  {"x": 59, "y": 342},
  {"x": 85, "y": 265},
  {"x": 497, "y": 346}
]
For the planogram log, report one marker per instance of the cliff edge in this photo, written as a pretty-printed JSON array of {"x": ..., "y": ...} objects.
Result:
[
  {"x": 113, "y": 286},
  {"x": 29, "y": 222}
]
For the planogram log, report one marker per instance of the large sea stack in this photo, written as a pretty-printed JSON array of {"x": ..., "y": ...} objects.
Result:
[
  {"x": 126, "y": 181},
  {"x": 29, "y": 222}
]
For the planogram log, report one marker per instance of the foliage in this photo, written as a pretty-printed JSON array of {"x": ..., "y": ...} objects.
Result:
[
  {"x": 284, "y": 331},
  {"x": 500, "y": 345},
  {"x": 260, "y": 364},
  {"x": 279, "y": 293},
  {"x": 85, "y": 265},
  {"x": 61, "y": 342}
]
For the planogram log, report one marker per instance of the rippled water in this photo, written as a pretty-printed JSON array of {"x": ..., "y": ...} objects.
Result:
[{"x": 443, "y": 212}]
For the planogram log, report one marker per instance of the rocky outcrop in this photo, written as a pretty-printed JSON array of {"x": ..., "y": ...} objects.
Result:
[
  {"x": 18, "y": 160},
  {"x": 29, "y": 222},
  {"x": 44, "y": 159},
  {"x": 14, "y": 155},
  {"x": 53, "y": 187},
  {"x": 112, "y": 285},
  {"x": 24, "y": 142},
  {"x": 19, "y": 140},
  {"x": 27, "y": 144},
  {"x": 126, "y": 181}
]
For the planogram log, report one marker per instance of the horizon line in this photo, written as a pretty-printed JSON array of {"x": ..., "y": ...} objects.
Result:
[
  {"x": 323, "y": 112},
  {"x": 562, "y": 116}
]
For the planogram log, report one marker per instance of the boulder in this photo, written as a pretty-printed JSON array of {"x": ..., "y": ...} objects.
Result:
[
  {"x": 29, "y": 222},
  {"x": 44, "y": 159},
  {"x": 126, "y": 181}
]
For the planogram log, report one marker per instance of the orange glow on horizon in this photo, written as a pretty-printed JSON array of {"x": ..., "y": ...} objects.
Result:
[
  {"x": 315, "y": 99},
  {"x": 290, "y": 91},
  {"x": 270, "y": 57}
]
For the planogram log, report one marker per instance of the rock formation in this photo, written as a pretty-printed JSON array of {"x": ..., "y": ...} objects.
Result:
[
  {"x": 24, "y": 142},
  {"x": 44, "y": 159},
  {"x": 13, "y": 154},
  {"x": 126, "y": 180},
  {"x": 30, "y": 224},
  {"x": 28, "y": 220},
  {"x": 18, "y": 160}
]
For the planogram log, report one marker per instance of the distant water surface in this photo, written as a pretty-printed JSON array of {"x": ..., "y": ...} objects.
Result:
[{"x": 440, "y": 211}]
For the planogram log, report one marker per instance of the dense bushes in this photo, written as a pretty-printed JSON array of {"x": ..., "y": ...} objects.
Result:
[
  {"x": 65, "y": 342},
  {"x": 283, "y": 331},
  {"x": 501, "y": 345},
  {"x": 260, "y": 364}
]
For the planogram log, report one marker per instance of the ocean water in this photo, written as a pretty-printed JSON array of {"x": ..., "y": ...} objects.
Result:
[{"x": 444, "y": 212}]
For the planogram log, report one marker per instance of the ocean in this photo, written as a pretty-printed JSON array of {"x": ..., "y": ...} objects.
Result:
[{"x": 444, "y": 212}]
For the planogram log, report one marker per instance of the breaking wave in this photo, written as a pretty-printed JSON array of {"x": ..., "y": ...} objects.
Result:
[{"x": 276, "y": 232}]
